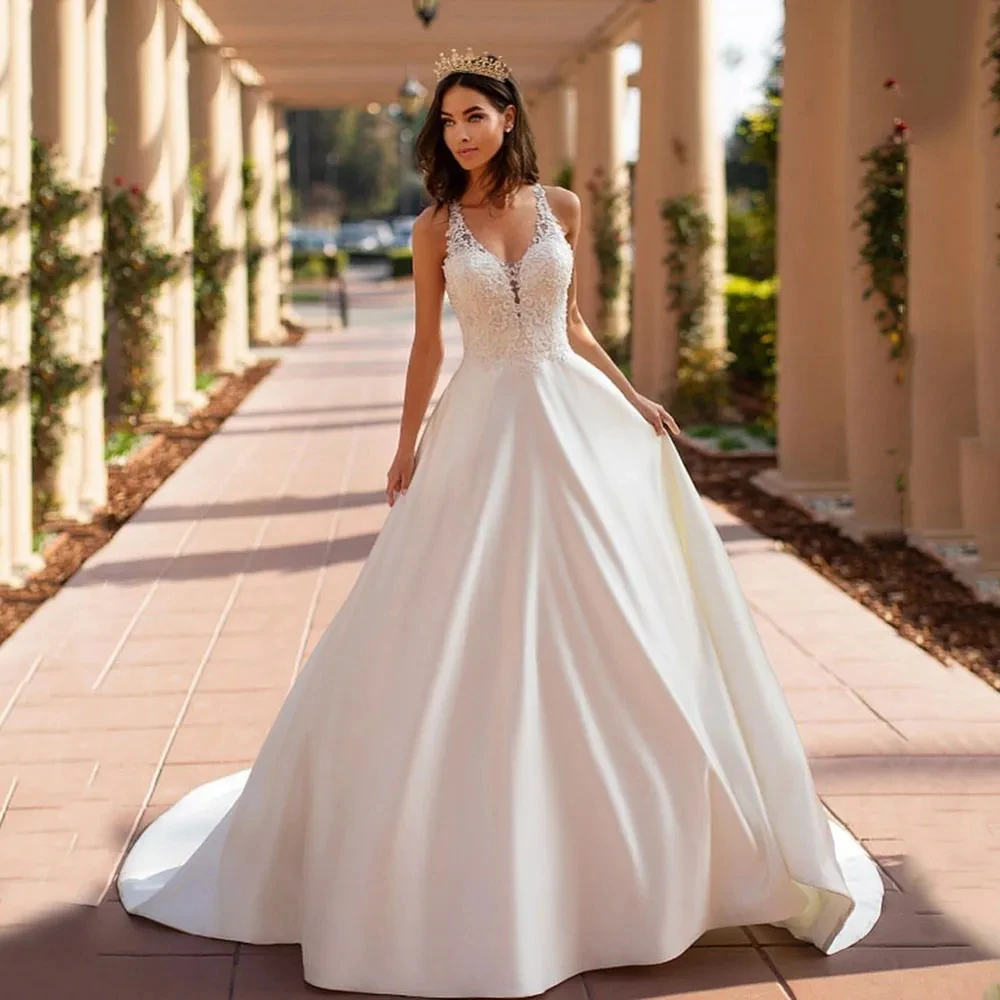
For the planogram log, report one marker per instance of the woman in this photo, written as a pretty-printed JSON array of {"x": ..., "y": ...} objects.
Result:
[{"x": 541, "y": 735}]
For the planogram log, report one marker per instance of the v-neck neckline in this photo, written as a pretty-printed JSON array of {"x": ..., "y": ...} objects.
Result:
[{"x": 534, "y": 236}]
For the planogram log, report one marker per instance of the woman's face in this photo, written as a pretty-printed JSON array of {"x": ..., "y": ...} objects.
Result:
[{"x": 473, "y": 128}]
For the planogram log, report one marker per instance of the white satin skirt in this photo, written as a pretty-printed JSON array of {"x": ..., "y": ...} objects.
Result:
[{"x": 540, "y": 737}]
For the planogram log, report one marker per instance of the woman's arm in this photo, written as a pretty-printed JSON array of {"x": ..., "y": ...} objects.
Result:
[
  {"x": 427, "y": 351},
  {"x": 566, "y": 206}
]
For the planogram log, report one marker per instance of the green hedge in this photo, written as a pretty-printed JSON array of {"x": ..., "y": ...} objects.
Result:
[
  {"x": 400, "y": 262},
  {"x": 311, "y": 264},
  {"x": 751, "y": 314}
]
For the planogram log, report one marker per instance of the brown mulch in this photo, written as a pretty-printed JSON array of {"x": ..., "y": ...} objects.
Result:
[
  {"x": 905, "y": 587},
  {"x": 129, "y": 486}
]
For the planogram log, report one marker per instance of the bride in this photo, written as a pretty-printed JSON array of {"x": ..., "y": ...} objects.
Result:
[{"x": 541, "y": 735}]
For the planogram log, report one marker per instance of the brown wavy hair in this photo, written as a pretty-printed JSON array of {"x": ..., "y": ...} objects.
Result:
[{"x": 515, "y": 163}]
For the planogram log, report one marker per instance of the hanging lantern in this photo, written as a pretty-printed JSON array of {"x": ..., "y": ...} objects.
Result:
[
  {"x": 411, "y": 96},
  {"x": 426, "y": 10}
]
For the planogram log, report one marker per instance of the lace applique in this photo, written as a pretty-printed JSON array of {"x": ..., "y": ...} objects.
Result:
[{"x": 511, "y": 312}]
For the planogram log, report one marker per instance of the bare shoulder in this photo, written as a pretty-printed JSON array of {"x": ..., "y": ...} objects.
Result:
[
  {"x": 431, "y": 228},
  {"x": 565, "y": 206}
]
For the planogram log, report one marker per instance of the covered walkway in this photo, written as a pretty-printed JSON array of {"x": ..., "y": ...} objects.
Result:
[{"x": 164, "y": 661}]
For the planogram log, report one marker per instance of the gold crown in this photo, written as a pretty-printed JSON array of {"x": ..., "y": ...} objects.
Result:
[{"x": 469, "y": 62}]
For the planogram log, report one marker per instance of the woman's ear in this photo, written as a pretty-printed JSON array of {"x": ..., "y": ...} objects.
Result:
[{"x": 508, "y": 120}]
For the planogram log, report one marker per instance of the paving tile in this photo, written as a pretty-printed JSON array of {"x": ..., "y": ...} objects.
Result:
[
  {"x": 850, "y": 739},
  {"x": 151, "y": 977},
  {"x": 886, "y": 973},
  {"x": 121, "y": 784},
  {"x": 952, "y": 737},
  {"x": 829, "y": 704},
  {"x": 121, "y": 746},
  {"x": 162, "y": 678},
  {"x": 32, "y": 855},
  {"x": 217, "y": 744},
  {"x": 117, "y": 932},
  {"x": 176, "y": 780},
  {"x": 38, "y": 785},
  {"x": 719, "y": 973},
  {"x": 234, "y": 708},
  {"x": 244, "y": 675},
  {"x": 95, "y": 713},
  {"x": 929, "y": 704},
  {"x": 917, "y": 775}
]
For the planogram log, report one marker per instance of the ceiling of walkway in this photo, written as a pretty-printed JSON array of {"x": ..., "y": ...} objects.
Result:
[{"x": 316, "y": 53}]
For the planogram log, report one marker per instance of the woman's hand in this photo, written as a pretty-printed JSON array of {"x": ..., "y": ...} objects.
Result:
[
  {"x": 655, "y": 415},
  {"x": 400, "y": 474}
]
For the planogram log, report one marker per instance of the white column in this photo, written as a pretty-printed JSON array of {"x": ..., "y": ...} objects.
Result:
[
  {"x": 553, "y": 122},
  {"x": 95, "y": 474},
  {"x": 179, "y": 154},
  {"x": 601, "y": 99},
  {"x": 137, "y": 103},
  {"x": 16, "y": 557},
  {"x": 650, "y": 373},
  {"x": 60, "y": 80},
  {"x": 980, "y": 459},
  {"x": 944, "y": 210},
  {"x": 283, "y": 182},
  {"x": 877, "y": 407},
  {"x": 19, "y": 310},
  {"x": 217, "y": 128},
  {"x": 258, "y": 117},
  {"x": 677, "y": 82},
  {"x": 811, "y": 249}
]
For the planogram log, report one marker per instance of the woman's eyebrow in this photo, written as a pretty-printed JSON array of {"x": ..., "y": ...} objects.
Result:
[{"x": 467, "y": 111}]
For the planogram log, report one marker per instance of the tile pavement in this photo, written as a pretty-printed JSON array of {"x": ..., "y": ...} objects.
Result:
[{"x": 163, "y": 662}]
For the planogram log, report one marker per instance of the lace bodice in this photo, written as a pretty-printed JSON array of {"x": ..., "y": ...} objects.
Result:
[{"x": 511, "y": 313}]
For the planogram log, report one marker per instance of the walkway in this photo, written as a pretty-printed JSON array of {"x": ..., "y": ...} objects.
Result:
[{"x": 163, "y": 663}]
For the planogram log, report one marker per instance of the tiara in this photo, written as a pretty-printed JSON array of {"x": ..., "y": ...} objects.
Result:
[{"x": 469, "y": 62}]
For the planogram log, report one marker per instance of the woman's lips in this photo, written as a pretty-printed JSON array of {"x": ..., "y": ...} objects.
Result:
[{"x": 468, "y": 150}]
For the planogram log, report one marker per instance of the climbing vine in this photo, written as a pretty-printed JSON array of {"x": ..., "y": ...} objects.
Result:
[
  {"x": 993, "y": 58},
  {"x": 54, "y": 375},
  {"x": 10, "y": 285},
  {"x": 702, "y": 382},
  {"x": 212, "y": 263},
  {"x": 607, "y": 225},
  {"x": 882, "y": 219},
  {"x": 135, "y": 271},
  {"x": 254, "y": 250}
]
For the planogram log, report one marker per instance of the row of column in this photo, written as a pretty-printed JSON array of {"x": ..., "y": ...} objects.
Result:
[
  {"x": 920, "y": 455},
  {"x": 579, "y": 121},
  {"x": 917, "y": 445},
  {"x": 68, "y": 70}
]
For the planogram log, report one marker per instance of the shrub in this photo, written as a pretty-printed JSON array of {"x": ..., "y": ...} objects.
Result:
[
  {"x": 751, "y": 316},
  {"x": 750, "y": 242}
]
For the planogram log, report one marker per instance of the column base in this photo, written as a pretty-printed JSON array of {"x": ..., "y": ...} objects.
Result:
[
  {"x": 979, "y": 471},
  {"x": 22, "y": 570},
  {"x": 829, "y": 503}
]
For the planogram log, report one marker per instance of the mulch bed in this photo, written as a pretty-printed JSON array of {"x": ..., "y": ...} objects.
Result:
[
  {"x": 905, "y": 587},
  {"x": 129, "y": 486}
]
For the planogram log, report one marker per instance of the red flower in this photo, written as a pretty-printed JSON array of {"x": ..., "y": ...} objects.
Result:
[
  {"x": 135, "y": 189},
  {"x": 891, "y": 83},
  {"x": 119, "y": 182}
]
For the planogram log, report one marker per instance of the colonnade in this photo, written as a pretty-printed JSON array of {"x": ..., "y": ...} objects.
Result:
[
  {"x": 126, "y": 93},
  {"x": 914, "y": 444}
]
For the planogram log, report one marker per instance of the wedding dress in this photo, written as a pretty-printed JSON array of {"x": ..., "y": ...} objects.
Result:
[{"x": 541, "y": 735}]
